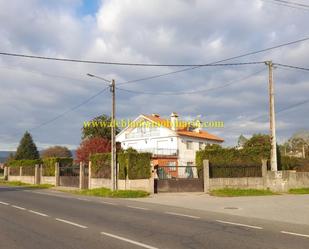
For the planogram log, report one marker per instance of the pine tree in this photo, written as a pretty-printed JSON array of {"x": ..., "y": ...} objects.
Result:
[{"x": 27, "y": 148}]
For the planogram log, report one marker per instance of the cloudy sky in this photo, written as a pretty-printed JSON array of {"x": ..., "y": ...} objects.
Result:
[{"x": 153, "y": 31}]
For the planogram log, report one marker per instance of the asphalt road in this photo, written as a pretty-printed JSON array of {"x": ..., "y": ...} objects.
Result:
[{"x": 32, "y": 219}]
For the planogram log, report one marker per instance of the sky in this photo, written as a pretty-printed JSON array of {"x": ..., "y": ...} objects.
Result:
[{"x": 33, "y": 92}]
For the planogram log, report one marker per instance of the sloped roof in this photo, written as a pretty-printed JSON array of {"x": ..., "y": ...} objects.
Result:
[{"x": 183, "y": 130}]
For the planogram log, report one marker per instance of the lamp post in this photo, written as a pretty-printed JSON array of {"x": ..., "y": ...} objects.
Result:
[{"x": 113, "y": 131}]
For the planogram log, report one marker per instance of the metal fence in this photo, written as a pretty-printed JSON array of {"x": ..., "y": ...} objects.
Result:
[
  {"x": 14, "y": 171},
  {"x": 28, "y": 171},
  {"x": 235, "y": 171},
  {"x": 178, "y": 172}
]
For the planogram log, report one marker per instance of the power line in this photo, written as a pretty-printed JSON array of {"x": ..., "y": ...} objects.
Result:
[
  {"x": 69, "y": 110},
  {"x": 197, "y": 91},
  {"x": 290, "y": 66},
  {"x": 283, "y": 109},
  {"x": 215, "y": 62},
  {"x": 141, "y": 64},
  {"x": 286, "y": 5},
  {"x": 292, "y": 3},
  {"x": 117, "y": 63}
]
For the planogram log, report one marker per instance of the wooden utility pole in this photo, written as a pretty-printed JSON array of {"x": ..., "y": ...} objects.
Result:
[
  {"x": 113, "y": 138},
  {"x": 273, "y": 158}
]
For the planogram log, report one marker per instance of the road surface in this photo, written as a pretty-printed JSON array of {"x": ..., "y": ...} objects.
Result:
[{"x": 39, "y": 219}]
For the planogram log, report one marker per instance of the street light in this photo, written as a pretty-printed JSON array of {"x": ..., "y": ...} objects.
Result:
[{"x": 113, "y": 132}]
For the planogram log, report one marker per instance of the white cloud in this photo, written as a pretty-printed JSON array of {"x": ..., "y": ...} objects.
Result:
[{"x": 154, "y": 31}]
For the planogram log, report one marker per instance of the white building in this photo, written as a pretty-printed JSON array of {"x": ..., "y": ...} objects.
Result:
[{"x": 171, "y": 143}]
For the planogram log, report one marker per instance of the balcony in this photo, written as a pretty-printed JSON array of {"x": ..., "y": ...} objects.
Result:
[
  {"x": 160, "y": 152},
  {"x": 142, "y": 134}
]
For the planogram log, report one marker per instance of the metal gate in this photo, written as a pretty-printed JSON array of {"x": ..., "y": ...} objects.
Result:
[
  {"x": 179, "y": 179},
  {"x": 69, "y": 176}
]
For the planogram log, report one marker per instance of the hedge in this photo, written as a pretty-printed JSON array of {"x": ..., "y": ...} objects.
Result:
[
  {"x": 24, "y": 163},
  {"x": 229, "y": 162},
  {"x": 131, "y": 163},
  {"x": 134, "y": 165},
  {"x": 49, "y": 164},
  {"x": 101, "y": 165}
]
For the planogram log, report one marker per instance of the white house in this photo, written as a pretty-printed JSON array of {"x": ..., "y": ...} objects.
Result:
[{"x": 171, "y": 143}]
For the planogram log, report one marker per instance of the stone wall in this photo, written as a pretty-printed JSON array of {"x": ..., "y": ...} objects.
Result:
[
  {"x": 24, "y": 179},
  {"x": 280, "y": 181}
]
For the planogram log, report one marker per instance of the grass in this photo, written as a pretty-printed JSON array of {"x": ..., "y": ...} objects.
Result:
[
  {"x": 104, "y": 192},
  {"x": 299, "y": 191},
  {"x": 22, "y": 184},
  {"x": 229, "y": 192}
]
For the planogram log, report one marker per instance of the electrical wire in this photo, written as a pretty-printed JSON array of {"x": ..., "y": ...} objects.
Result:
[
  {"x": 69, "y": 110},
  {"x": 290, "y": 66},
  {"x": 285, "y": 5},
  {"x": 212, "y": 63},
  {"x": 197, "y": 91},
  {"x": 145, "y": 64}
]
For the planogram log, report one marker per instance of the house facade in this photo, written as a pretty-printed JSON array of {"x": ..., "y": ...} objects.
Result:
[{"x": 170, "y": 143}]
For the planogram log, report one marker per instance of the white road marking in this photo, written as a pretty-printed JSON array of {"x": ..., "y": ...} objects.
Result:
[
  {"x": 18, "y": 207},
  {"x": 141, "y": 208},
  {"x": 4, "y": 203},
  {"x": 129, "y": 241},
  {"x": 238, "y": 224},
  {"x": 183, "y": 215},
  {"x": 296, "y": 234},
  {"x": 108, "y": 203},
  {"x": 38, "y": 213},
  {"x": 71, "y": 223},
  {"x": 82, "y": 199}
]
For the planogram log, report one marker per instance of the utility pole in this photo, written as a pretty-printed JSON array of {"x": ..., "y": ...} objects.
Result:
[
  {"x": 113, "y": 138},
  {"x": 273, "y": 158}
]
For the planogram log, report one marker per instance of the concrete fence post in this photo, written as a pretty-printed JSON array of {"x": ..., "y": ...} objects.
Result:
[
  {"x": 206, "y": 176},
  {"x": 264, "y": 172},
  {"x": 5, "y": 173},
  {"x": 89, "y": 175},
  {"x": 41, "y": 171},
  {"x": 264, "y": 167},
  {"x": 37, "y": 174},
  {"x": 9, "y": 171},
  {"x": 151, "y": 180},
  {"x": 20, "y": 171},
  {"x": 81, "y": 175},
  {"x": 57, "y": 174}
]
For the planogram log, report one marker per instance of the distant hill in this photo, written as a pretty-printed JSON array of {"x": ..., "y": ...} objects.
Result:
[{"x": 4, "y": 155}]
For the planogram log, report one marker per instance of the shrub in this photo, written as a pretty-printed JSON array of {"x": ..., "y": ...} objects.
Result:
[
  {"x": 131, "y": 163},
  {"x": 101, "y": 165},
  {"x": 49, "y": 164},
  {"x": 24, "y": 163}
]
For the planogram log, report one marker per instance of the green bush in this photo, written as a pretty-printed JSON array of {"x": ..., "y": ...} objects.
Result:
[
  {"x": 230, "y": 162},
  {"x": 131, "y": 163},
  {"x": 101, "y": 165},
  {"x": 24, "y": 163},
  {"x": 139, "y": 166},
  {"x": 49, "y": 164}
]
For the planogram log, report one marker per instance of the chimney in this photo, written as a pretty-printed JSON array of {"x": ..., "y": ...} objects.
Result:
[
  {"x": 197, "y": 126},
  {"x": 174, "y": 121}
]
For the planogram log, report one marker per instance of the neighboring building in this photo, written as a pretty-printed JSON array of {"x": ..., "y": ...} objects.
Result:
[{"x": 170, "y": 143}]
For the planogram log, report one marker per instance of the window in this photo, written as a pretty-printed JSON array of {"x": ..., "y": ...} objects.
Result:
[
  {"x": 171, "y": 166},
  {"x": 189, "y": 145},
  {"x": 201, "y": 145}
]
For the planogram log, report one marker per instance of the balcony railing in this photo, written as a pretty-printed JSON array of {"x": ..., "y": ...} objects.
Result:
[
  {"x": 160, "y": 151},
  {"x": 142, "y": 134}
]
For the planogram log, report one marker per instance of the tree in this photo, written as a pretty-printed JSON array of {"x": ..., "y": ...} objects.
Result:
[
  {"x": 27, "y": 148},
  {"x": 258, "y": 145},
  {"x": 98, "y": 127},
  {"x": 91, "y": 146},
  {"x": 56, "y": 151},
  {"x": 241, "y": 141}
]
